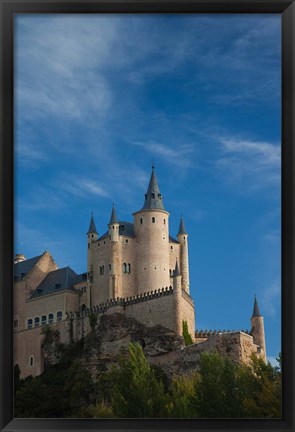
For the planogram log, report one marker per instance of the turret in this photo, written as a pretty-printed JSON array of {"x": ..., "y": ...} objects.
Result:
[
  {"x": 115, "y": 262},
  {"x": 114, "y": 226},
  {"x": 152, "y": 240},
  {"x": 92, "y": 233},
  {"x": 92, "y": 236},
  {"x": 257, "y": 330},
  {"x": 184, "y": 265},
  {"x": 177, "y": 295}
]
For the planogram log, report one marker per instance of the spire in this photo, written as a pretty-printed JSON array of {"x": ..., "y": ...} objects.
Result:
[
  {"x": 153, "y": 197},
  {"x": 92, "y": 228},
  {"x": 176, "y": 271},
  {"x": 256, "y": 312},
  {"x": 113, "y": 219},
  {"x": 181, "y": 227}
]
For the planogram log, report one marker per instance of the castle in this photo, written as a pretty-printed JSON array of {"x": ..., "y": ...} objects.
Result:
[{"x": 137, "y": 269}]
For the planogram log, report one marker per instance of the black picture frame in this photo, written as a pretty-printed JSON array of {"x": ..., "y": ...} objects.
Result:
[{"x": 11, "y": 7}]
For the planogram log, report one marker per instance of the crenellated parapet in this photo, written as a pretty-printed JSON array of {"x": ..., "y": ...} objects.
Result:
[
  {"x": 122, "y": 302},
  {"x": 204, "y": 334}
]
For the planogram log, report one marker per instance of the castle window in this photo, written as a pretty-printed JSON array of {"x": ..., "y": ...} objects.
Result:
[
  {"x": 104, "y": 242},
  {"x": 101, "y": 270},
  {"x": 31, "y": 360},
  {"x": 37, "y": 322},
  {"x": 124, "y": 268},
  {"x": 43, "y": 319},
  {"x": 98, "y": 244},
  {"x": 59, "y": 316},
  {"x": 129, "y": 268},
  {"x": 153, "y": 195},
  {"x": 57, "y": 286},
  {"x": 91, "y": 235},
  {"x": 153, "y": 220},
  {"x": 50, "y": 318},
  {"x": 110, "y": 267},
  {"x": 15, "y": 322},
  {"x": 164, "y": 221},
  {"x": 30, "y": 323},
  {"x": 170, "y": 273},
  {"x": 141, "y": 220},
  {"x": 171, "y": 247},
  {"x": 126, "y": 240},
  {"x": 88, "y": 245}
]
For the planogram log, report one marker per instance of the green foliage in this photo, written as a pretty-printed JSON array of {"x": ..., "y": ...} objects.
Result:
[
  {"x": 137, "y": 393},
  {"x": 50, "y": 335},
  {"x": 186, "y": 336},
  {"x": 182, "y": 393},
  {"x": 134, "y": 389}
]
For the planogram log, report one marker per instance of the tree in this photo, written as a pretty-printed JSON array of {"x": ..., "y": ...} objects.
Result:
[
  {"x": 182, "y": 392},
  {"x": 137, "y": 393},
  {"x": 186, "y": 336}
]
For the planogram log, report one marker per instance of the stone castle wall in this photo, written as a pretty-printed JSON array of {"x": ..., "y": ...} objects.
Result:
[{"x": 236, "y": 345}]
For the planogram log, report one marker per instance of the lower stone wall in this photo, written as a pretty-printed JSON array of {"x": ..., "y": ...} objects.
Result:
[{"x": 238, "y": 346}]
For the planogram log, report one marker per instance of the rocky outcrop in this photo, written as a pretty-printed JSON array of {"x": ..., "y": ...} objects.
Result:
[{"x": 110, "y": 339}]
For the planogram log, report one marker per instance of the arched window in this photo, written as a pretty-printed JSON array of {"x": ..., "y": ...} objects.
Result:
[
  {"x": 43, "y": 319},
  {"x": 31, "y": 360},
  {"x": 129, "y": 268},
  {"x": 59, "y": 316},
  {"x": 50, "y": 318},
  {"x": 164, "y": 221},
  {"x": 153, "y": 220},
  {"x": 124, "y": 268},
  {"x": 36, "y": 322},
  {"x": 15, "y": 322},
  {"x": 141, "y": 220},
  {"x": 30, "y": 323}
]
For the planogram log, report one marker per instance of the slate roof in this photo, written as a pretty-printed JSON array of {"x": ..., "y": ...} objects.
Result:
[
  {"x": 153, "y": 198},
  {"x": 256, "y": 311},
  {"x": 176, "y": 271},
  {"x": 182, "y": 229},
  {"x": 55, "y": 281},
  {"x": 125, "y": 228},
  {"x": 113, "y": 218},
  {"x": 21, "y": 268},
  {"x": 92, "y": 227}
]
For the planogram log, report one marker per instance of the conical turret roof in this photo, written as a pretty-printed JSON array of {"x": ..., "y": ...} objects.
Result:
[
  {"x": 182, "y": 229},
  {"x": 113, "y": 218},
  {"x": 153, "y": 198},
  {"x": 92, "y": 228},
  {"x": 256, "y": 311},
  {"x": 176, "y": 271}
]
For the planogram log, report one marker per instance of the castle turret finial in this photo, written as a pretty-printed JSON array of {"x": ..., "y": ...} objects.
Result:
[
  {"x": 182, "y": 229},
  {"x": 256, "y": 311},
  {"x": 153, "y": 198},
  {"x": 92, "y": 228},
  {"x": 113, "y": 218}
]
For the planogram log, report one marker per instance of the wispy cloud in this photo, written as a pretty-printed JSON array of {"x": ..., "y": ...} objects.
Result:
[
  {"x": 177, "y": 155},
  {"x": 271, "y": 298},
  {"x": 80, "y": 187},
  {"x": 256, "y": 164}
]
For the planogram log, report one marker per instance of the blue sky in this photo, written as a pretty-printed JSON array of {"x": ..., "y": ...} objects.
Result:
[{"x": 99, "y": 98}]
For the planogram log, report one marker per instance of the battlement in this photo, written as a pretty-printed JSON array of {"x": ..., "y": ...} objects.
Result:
[
  {"x": 123, "y": 302},
  {"x": 204, "y": 334}
]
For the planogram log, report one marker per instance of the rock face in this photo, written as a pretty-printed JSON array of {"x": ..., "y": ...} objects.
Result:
[
  {"x": 111, "y": 338},
  {"x": 114, "y": 333}
]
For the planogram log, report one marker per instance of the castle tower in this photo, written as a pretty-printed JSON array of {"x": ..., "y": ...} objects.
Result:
[
  {"x": 257, "y": 330},
  {"x": 177, "y": 295},
  {"x": 151, "y": 229},
  {"x": 92, "y": 236},
  {"x": 115, "y": 262},
  {"x": 184, "y": 267}
]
